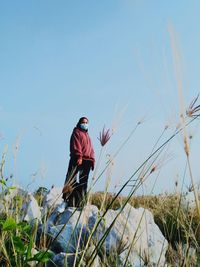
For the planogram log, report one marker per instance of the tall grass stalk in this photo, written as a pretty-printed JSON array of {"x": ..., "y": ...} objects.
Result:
[
  {"x": 154, "y": 147},
  {"x": 177, "y": 67}
]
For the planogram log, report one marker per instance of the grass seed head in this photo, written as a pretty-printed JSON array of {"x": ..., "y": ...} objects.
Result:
[
  {"x": 104, "y": 136},
  {"x": 192, "y": 109},
  {"x": 186, "y": 146}
]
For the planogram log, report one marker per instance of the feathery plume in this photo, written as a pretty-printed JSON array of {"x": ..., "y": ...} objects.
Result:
[
  {"x": 104, "y": 136},
  {"x": 190, "y": 112}
]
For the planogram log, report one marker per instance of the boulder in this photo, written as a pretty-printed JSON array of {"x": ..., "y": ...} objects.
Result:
[
  {"x": 22, "y": 201},
  {"x": 31, "y": 209},
  {"x": 188, "y": 201},
  {"x": 135, "y": 230},
  {"x": 132, "y": 236},
  {"x": 53, "y": 198}
]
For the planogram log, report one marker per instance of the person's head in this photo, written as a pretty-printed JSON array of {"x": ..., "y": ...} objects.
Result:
[{"x": 83, "y": 123}]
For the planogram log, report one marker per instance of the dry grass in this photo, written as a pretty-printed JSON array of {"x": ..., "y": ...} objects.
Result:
[{"x": 181, "y": 227}]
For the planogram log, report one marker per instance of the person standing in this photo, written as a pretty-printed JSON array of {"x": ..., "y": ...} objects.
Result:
[{"x": 82, "y": 160}]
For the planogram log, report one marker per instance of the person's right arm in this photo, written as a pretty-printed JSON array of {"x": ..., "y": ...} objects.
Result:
[{"x": 76, "y": 148}]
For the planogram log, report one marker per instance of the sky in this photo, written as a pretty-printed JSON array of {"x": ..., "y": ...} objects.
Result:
[{"x": 114, "y": 62}]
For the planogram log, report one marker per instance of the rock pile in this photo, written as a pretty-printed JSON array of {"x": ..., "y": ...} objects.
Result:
[{"x": 90, "y": 237}]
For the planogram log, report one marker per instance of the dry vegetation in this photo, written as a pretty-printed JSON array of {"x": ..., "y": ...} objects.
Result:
[{"x": 179, "y": 225}]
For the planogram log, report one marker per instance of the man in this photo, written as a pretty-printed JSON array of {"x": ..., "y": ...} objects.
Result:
[{"x": 82, "y": 160}]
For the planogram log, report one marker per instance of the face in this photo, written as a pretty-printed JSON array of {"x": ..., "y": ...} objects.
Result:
[
  {"x": 84, "y": 124},
  {"x": 84, "y": 121}
]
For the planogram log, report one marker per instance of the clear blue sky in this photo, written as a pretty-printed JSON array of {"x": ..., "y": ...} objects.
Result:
[{"x": 111, "y": 61}]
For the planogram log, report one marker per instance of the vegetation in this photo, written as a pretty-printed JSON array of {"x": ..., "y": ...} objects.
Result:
[
  {"x": 179, "y": 224},
  {"x": 20, "y": 247}
]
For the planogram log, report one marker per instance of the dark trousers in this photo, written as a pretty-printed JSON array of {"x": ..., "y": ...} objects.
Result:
[{"x": 78, "y": 189}]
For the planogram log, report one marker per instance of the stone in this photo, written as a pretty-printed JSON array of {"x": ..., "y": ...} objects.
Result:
[
  {"x": 21, "y": 200},
  {"x": 53, "y": 198},
  {"x": 135, "y": 229},
  {"x": 188, "y": 201},
  {"x": 31, "y": 209},
  {"x": 133, "y": 235}
]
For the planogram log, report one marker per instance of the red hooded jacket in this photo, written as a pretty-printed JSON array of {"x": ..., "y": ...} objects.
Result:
[{"x": 81, "y": 145}]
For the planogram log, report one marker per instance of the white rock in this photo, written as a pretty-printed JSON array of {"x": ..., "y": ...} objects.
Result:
[
  {"x": 133, "y": 229},
  {"x": 136, "y": 228},
  {"x": 133, "y": 258},
  {"x": 87, "y": 216},
  {"x": 188, "y": 201},
  {"x": 32, "y": 209},
  {"x": 53, "y": 197},
  {"x": 61, "y": 207}
]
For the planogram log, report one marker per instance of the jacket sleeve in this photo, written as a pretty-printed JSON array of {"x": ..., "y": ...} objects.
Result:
[{"x": 75, "y": 145}]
